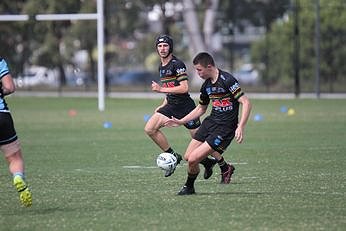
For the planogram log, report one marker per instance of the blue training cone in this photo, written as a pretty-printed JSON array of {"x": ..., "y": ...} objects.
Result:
[
  {"x": 146, "y": 117},
  {"x": 107, "y": 124},
  {"x": 258, "y": 117},
  {"x": 283, "y": 109}
]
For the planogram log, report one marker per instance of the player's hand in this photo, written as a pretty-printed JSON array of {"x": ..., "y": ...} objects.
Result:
[
  {"x": 173, "y": 122},
  {"x": 239, "y": 135},
  {"x": 155, "y": 86}
]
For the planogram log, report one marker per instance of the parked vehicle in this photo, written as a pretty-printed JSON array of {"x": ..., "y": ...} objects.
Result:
[
  {"x": 129, "y": 78},
  {"x": 77, "y": 78},
  {"x": 37, "y": 75},
  {"x": 247, "y": 74}
]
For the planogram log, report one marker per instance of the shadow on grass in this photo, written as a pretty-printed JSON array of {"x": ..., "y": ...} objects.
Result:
[
  {"x": 33, "y": 210},
  {"x": 232, "y": 193}
]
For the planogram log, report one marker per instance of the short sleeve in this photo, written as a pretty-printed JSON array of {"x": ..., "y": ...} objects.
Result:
[{"x": 3, "y": 68}]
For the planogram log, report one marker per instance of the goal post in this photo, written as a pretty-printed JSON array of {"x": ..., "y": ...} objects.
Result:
[{"x": 99, "y": 17}]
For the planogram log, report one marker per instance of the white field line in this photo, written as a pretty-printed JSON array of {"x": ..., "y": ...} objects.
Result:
[
  {"x": 138, "y": 167},
  {"x": 150, "y": 167}
]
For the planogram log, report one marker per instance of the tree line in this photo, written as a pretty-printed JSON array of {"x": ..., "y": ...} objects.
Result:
[{"x": 129, "y": 35}]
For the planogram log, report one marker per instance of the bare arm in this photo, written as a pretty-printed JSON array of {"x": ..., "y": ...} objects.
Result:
[
  {"x": 245, "y": 113},
  {"x": 195, "y": 113},
  {"x": 181, "y": 89},
  {"x": 8, "y": 86}
]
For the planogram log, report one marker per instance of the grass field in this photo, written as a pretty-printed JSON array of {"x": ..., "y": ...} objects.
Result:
[{"x": 290, "y": 172}]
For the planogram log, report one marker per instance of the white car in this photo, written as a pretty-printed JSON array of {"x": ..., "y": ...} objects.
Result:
[
  {"x": 247, "y": 74},
  {"x": 36, "y": 75}
]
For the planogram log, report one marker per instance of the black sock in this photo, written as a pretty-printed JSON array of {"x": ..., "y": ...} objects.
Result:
[
  {"x": 223, "y": 165},
  {"x": 170, "y": 150},
  {"x": 191, "y": 180},
  {"x": 206, "y": 162}
]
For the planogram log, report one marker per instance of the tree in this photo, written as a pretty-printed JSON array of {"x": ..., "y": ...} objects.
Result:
[
  {"x": 281, "y": 49},
  {"x": 82, "y": 36},
  {"x": 47, "y": 37},
  {"x": 14, "y": 48},
  {"x": 258, "y": 13}
]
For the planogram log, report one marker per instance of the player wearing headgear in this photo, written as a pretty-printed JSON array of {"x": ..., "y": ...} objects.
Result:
[
  {"x": 9, "y": 142},
  {"x": 177, "y": 103}
]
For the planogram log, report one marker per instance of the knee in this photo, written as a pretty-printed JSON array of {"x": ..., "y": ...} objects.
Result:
[
  {"x": 12, "y": 150},
  {"x": 186, "y": 158},
  {"x": 14, "y": 156},
  {"x": 191, "y": 160},
  {"x": 150, "y": 131}
]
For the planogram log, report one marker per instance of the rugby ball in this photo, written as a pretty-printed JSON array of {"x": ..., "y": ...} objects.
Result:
[{"x": 166, "y": 161}]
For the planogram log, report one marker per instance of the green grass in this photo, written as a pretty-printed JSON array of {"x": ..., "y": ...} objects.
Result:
[{"x": 290, "y": 172}]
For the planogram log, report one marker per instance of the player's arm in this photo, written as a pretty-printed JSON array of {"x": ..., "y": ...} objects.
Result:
[
  {"x": 7, "y": 85},
  {"x": 182, "y": 88},
  {"x": 194, "y": 114},
  {"x": 245, "y": 113}
]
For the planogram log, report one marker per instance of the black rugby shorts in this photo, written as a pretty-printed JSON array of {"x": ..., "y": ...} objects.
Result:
[
  {"x": 218, "y": 136},
  {"x": 179, "y": 111},
  {"x": 7, "y": 131}
]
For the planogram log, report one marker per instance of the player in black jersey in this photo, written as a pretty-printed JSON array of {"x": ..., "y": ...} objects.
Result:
[
  {"x": 221, "y": 126},
  {"x": 9, "y": 142},
  {"x": 177, "y": 103}
]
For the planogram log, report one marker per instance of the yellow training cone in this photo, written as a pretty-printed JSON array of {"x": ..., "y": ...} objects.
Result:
[{"x": 291, "y": 112}]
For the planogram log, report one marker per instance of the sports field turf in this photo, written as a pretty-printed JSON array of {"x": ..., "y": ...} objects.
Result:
[{"x": 290, "y": 172}]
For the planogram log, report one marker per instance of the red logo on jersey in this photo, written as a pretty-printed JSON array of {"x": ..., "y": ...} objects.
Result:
[
  {"x": 168, "y": 84},
  {"x": 222, "y": 105},
  {"x": 222, "y": 102}
]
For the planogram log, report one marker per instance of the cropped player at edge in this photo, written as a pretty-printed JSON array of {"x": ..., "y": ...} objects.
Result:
[
  {"x": 221, "y": 126},
  {"x": 177, "y": 103},
  {"x": 9, "y": 142}
]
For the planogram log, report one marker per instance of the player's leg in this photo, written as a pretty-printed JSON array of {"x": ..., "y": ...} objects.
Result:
[
  {"x": 10, "y": 146},
  {"x": 15, "y": 162},
  {"x": 219, "y": 140},
  {"x": 227, "y": 170},
  {"x": 152, "y": 129},
  {"x": 196, "y": 151},
  {"x": 208, "y": 163}
]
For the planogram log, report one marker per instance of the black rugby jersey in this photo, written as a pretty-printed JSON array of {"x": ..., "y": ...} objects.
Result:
[
  {"x": 224, "y": 95},
  {"x": 3, "y": 71},
  {"x": 170, "y": 76}
]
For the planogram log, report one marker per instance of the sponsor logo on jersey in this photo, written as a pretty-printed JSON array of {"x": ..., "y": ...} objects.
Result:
[
  {"x": 165, "y": 73},
  {"x": 168, "y": 84},
  {"x": 234, "y": 87},
  {"x": 181, "y": 70},
  {"x": 218, "y": 140},
  {"x": 214, "y": 90},
  {"x": 222, "y": 105}
]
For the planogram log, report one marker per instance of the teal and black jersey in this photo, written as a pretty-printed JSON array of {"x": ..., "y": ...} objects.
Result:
[
  {"x": 3, "y": 71},
  {"x": 224, "y": 95},
  {"x": 170, "y": 76},
  {"x": 7, "y": 132}
]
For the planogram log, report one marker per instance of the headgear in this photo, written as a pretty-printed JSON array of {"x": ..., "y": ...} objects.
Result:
[{"x": 165, "y": 39}]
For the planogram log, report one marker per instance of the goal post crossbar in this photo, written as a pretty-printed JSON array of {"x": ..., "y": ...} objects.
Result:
[
  {"x": 49, "y": 17},
  {"x": 100, "y": 39}
]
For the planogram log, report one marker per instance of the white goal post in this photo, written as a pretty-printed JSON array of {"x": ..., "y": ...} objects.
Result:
[{"x": 100, "y": 39}]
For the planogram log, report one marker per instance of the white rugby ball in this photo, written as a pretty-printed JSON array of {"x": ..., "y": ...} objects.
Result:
[{"x": 166, "y": 161}]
